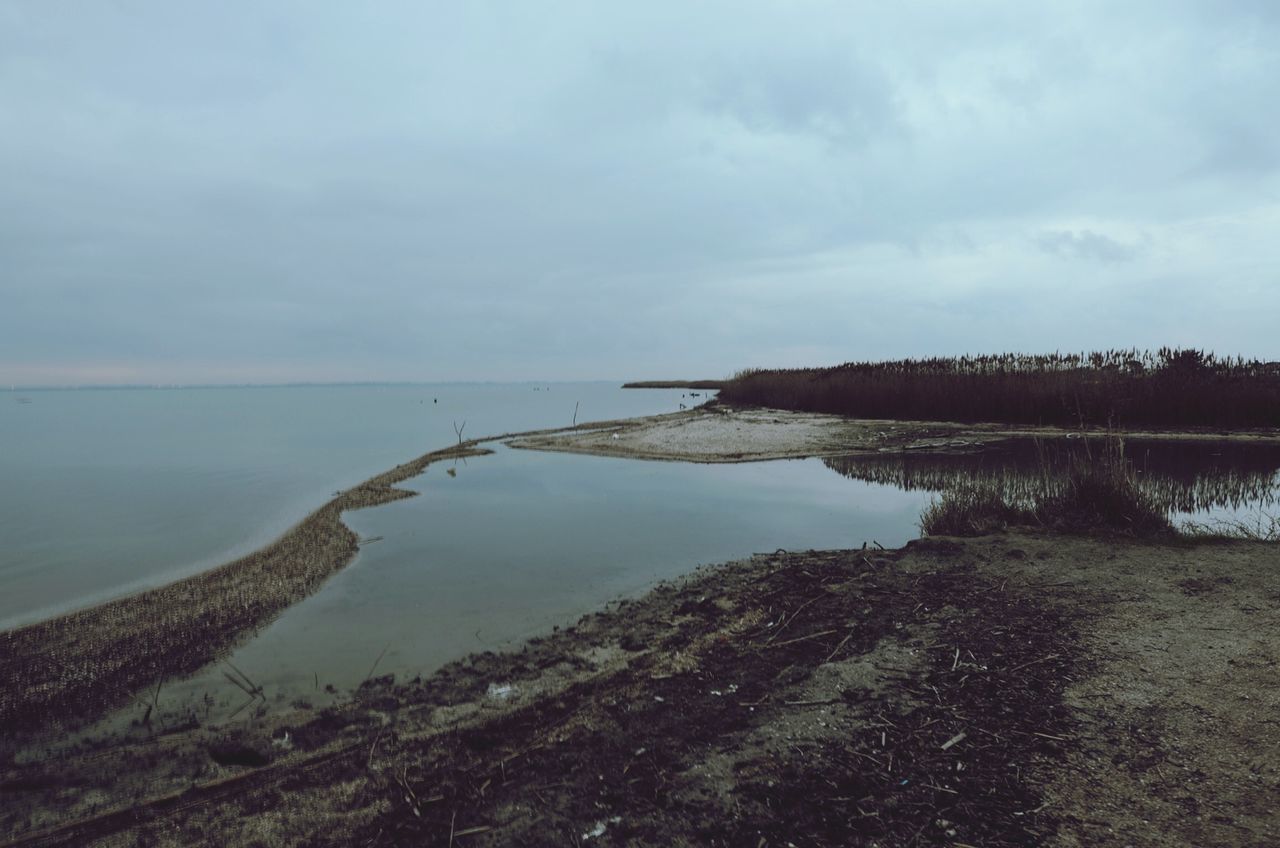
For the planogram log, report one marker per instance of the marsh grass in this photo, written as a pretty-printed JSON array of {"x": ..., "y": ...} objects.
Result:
[
  {"x": 1100, "y": 491},
  {"x": 1167, "y": 388},
  {"x": 1264, "y": 527}
]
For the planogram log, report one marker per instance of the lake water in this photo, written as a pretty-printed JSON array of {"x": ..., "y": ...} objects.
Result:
[
  {"x": 103, "y": 492},
  {"x": 521, "y": 541},
  {"x": 108, "y": 490}
]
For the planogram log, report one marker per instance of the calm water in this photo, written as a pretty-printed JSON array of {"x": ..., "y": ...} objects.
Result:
[
  {"x": 103, "y": 492},
  {"x": 108, "y": 490},
  {"x": 521, "y": 541},
  {"x": 1199, "y": 481}
]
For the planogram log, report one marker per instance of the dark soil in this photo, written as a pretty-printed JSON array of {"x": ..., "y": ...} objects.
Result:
[
  {"x": 1026, "y": 688},
  {"x": 639, "y": 751}
]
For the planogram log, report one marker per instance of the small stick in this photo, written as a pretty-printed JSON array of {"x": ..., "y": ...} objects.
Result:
[
  {"x": 252, "y": 698},
  {"x": 959, "y": 737},
  {"x": 473, "y": 830},
  {"x": 793, "y": 618},
  {"x": 254, "y": 689},
  {"x": 1033, "y": 662},
  {"x": 243, "y": 688},
  {"x": 802, "y": 638},
  {"x": 369, "y": 763},
  {"x": 452, "y": 819},
  {"x": 843, "y": 642},
  {"x": 374, "y": 667}
]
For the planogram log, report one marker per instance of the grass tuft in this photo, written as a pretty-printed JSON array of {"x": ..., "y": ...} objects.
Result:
[
  {"x": 1099, "y": 492},
  {"x": 1264, "y": 527}
]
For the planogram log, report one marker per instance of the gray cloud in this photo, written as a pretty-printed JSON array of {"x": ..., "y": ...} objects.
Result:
[
  {"x": 1085, "y": 244},
  {"x": 404, "y": 192}
]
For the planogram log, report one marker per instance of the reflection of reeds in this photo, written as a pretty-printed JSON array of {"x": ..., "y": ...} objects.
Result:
[
  {"x": 1181, "y": 477},
  {"x": 1123, "y": 387},
  {"x": 1099, "y": 490}
]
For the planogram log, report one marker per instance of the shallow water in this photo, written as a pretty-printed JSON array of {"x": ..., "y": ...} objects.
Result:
[
  {"x": 522, "y": 541},
  {"x": 116, "y": 489},
  {"x": 103, "y": 492}
]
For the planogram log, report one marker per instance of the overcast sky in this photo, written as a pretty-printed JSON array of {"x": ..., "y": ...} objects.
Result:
[{"x": 269, "y": 191}]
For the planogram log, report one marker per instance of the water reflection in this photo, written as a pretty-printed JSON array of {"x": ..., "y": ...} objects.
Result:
[{"x": 1182, "y": 477}]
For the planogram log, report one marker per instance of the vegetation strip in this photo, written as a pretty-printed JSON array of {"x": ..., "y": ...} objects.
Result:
[{"x": 1122, "y": 388}]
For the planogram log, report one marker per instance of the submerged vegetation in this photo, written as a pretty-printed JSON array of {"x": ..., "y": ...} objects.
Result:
[
  {"x": 1125, "y": 388},
  {"x": 1098, "y": 492}
]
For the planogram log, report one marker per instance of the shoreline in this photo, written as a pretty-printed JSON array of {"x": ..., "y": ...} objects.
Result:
[
  {"x": 77, "y": 665},
  {"x": 1024, "y": 686},
  {"x": 74, "y": 667}
]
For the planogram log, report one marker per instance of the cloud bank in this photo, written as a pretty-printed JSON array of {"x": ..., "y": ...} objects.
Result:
[{"x": 297, "y": 191}]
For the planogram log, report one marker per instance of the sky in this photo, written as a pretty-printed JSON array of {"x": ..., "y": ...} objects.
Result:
[{"x": 259, "y": 192}]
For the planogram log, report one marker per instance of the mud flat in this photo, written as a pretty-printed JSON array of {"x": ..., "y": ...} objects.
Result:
[{"x": 1023, "y": 688}]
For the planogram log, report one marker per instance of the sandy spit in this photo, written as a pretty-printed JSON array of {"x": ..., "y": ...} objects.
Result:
[
  {"x": 722, "y": 433},
  {"x": 78, "y": 665}
]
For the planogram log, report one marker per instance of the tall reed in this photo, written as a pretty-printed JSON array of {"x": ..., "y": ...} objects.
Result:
[{"x": 1126, "y": 388}]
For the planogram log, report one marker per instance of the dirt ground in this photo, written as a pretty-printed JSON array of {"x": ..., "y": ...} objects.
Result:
[{"x": 1018, "y": 689}]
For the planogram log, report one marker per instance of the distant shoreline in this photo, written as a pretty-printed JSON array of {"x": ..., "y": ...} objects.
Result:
[{"x": 711, "y": 385}]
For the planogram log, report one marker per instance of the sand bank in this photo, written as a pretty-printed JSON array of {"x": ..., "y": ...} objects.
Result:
[
  {"x": 78, "y": 665},
  {"x": 719, "y": 433}
]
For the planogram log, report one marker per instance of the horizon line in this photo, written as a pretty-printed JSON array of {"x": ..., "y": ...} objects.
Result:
[{"x": 44, "y": 387}]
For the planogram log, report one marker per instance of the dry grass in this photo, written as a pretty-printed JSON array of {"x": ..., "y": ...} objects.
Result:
[{"x": 1168, "y": 388}]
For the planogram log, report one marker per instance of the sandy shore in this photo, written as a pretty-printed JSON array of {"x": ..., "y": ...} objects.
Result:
[
  {"x": 1025, "y": 688},
  {"x": 717, "y": 433}
]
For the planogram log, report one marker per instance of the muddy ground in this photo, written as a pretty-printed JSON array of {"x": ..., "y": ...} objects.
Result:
[{"x": 1018, "y": 689}]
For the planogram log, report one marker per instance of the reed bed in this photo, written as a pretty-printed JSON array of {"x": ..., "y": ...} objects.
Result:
[
  {"x": 1098, "y": 492},
  {"x": 1122, "y": 388}
]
